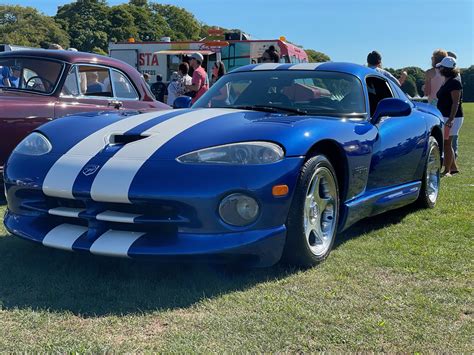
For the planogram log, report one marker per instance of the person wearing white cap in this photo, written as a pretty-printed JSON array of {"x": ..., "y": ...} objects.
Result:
[
  {"x": 200, "y": 82},
  {"x": 450, "y": 105}
]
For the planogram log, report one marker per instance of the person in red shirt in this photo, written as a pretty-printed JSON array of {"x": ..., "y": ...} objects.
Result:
[{"x": 200, "y": 82}]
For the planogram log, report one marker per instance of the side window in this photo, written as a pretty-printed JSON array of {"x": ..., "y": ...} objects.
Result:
[
  {"x": 71, "y": 86},
  {"x": 378, "y": 90},
  {"x": 94, "y": 81},
  {"x": 123, "y": 88}
]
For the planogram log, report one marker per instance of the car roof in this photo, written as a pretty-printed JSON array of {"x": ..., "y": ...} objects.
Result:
[
  {"x": 63, "y": 55},
  {"x": 349, "y": 68}
]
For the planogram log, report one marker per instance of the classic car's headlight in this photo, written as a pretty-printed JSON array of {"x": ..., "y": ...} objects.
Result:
[
  {"x": 245, "y": 153},
  {"x": 34, "y": 144}
]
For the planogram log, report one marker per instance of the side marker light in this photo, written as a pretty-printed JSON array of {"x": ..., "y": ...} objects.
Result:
[{"x": 280, "y": 190}]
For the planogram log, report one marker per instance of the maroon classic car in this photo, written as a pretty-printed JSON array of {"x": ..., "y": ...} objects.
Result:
[{"x": 37, "y": 86}]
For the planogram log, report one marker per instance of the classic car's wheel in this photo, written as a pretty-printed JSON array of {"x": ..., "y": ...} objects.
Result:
[
  {"x": 312, "y": 220},
  {"x": 431, "y": 176}
]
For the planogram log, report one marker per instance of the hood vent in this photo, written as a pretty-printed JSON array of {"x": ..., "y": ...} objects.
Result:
[{"x": 125, "y": 138}]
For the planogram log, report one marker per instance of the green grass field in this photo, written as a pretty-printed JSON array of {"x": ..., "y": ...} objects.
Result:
[{"x": 402, "y": 281}]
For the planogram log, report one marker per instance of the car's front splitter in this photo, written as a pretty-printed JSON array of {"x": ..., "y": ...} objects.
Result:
[{"x": 256, "y": 247}]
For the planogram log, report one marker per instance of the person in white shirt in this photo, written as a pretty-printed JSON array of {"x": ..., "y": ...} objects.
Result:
[
  {"x": 184, "y": 70},
  {"x": 175, "y": 88}
]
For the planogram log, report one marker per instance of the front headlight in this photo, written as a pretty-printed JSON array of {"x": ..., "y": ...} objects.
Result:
[
  {"x": 245, "y": 153},
  {"x": 34, "y": 144}
]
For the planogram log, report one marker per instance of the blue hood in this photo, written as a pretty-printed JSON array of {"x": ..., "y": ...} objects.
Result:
[{"x": 188, "y": 130}]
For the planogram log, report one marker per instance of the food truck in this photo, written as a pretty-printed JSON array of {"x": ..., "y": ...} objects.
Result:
[{"x": 163, "y": 57}]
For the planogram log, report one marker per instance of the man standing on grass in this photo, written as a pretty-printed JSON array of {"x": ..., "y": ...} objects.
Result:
[{"x": 200, "y": 82}]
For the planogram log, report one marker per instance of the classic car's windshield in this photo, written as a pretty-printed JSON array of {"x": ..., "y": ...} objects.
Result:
[
  {"x": 38, "y": 75},
  {"x": 288, "y": 91}
]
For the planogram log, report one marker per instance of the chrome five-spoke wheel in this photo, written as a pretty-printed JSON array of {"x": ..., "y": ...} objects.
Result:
[
  {"x": 314, "y": 213},
  {"x": 320, "y": 211}
]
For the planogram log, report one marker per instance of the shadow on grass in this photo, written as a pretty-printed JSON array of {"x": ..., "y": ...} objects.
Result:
[
  {"x": 374, "y": 223},
  {"x": 34, "y": 277}
]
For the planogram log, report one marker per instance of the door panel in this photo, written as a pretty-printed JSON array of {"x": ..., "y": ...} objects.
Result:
[
  {"x": 397, "y": 151},
  {"x": 72, "y": 105},
  {"x": 400, "y": 141}
]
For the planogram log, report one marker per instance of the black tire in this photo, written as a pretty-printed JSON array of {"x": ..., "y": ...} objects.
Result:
[
  {"x": 298, "y": 250},
  {"x": 427, "y": 197}
]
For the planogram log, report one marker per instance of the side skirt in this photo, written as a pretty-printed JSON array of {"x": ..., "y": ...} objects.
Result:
[{"x": 379, "y": 201}]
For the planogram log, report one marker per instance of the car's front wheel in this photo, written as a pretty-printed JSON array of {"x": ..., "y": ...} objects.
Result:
[{"x": 314, "y": 213}]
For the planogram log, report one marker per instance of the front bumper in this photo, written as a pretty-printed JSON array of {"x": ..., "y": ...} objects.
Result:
[
  {"x": 173, "y": 215},
  {"x": 255, "y": 247}
]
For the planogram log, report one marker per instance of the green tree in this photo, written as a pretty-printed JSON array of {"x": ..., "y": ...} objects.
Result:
[
  {"x": 416, "y": 74},
  {"x": 27, "y": 27},
  {"x": 183, "y": 23},
  {"x": 122, "y": 24},
  {"x": 409, "y": 87},
  {"x": 316, "y": 57},
  {"x": 467, "y": 76},
  {"x": 139, "y": 3},
  {"x": 86, "y": 22},
  {"x": 151, "y": 26}
]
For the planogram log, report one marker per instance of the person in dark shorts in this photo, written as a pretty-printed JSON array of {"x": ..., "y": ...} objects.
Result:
[
  {"x": 450, "y": 106},
  {"x": 159, "y": 89}
]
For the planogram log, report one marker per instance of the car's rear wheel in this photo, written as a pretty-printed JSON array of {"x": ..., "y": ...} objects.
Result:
[
  {"x": 314, "y": 213},
  {"x": 431, "y": 176}
]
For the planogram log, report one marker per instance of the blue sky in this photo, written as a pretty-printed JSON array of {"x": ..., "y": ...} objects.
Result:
[{"x": 405, "y": 31}]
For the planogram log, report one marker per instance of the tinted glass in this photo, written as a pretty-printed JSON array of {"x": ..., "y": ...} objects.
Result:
[
  {"x": 314, "y": 92},
  {"x": 38, "y": 75}
]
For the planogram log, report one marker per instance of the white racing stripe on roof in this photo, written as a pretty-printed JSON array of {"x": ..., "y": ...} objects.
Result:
[
  {"x": 115, "y": 243},
  {"x": 63, "y": 236},
  {"x": 113, "y": 181},
  {"x": 305, "y": 66},
  {"x": 267, "y": 66},
  {"x": 60, "y": 178}
]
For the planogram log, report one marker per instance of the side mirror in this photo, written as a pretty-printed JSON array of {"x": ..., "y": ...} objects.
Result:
[
  {"x": 391, "y": 107},
  {"x": 182, "y": 102}
]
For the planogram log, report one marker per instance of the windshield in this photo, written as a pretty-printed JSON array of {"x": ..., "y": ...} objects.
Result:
[
  {"x": 296, "y": 91},
  {"x": 37, "y": 75}
]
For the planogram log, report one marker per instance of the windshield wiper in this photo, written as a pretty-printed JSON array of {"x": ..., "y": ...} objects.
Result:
[{"x": 269, "y": 108}]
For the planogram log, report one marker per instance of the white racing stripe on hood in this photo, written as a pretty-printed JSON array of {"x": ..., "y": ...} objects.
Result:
[
  {"x": 113, "y": 181},
  {"x": 60, "y": 178},
  {"x": 305, "y": 66}
]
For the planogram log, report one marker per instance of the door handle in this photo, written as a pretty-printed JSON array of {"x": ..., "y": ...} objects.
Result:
[{"x": 116, "y": 104}]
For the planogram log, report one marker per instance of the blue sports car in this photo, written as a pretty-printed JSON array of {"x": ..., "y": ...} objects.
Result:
[{"x": 273, "y": 161}]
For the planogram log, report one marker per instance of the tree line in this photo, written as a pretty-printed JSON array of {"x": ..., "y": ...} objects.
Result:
[{"x": 89, "y": 25}]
